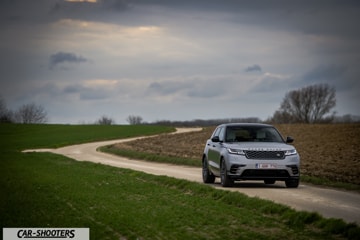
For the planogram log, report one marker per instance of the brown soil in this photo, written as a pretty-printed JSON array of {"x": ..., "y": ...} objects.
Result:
[{"x": 330, "y": 151}]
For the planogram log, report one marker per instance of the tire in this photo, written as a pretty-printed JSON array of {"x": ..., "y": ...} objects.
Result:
[
  {"x": 207, "y": 176},
  {"x": 225, "y": 180},
  {"x": 292, "y": 183},
  {"x": 269, "y": 181}
]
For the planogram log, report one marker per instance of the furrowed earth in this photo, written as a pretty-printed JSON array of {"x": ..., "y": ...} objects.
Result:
[{"x": 330, "y": 151}]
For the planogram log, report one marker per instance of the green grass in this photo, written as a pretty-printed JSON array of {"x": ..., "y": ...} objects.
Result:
[
  {"x": 48, "y": 190},
  {"x": 19, "y": 137}
]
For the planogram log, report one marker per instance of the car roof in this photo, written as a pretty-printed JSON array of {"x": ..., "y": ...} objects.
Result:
[{"x": 245, "y": 125}]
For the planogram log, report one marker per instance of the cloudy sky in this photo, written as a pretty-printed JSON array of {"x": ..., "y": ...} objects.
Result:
[{"x": 175, "y": 60}]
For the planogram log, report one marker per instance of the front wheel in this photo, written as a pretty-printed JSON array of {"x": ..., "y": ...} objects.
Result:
[
  {"x": 206, "y": 174},
  {"x": 292, "y": 183},
  {"x": 225, "y": 180}
]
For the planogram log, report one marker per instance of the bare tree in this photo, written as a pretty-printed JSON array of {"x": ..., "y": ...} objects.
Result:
[
  {"x": 6, "y": 115},
  {"x": 309, "y": 104},
  {"x": 281, "y": 117},
  {"x": 133, "y": 120},
  {"x": 2, "y": 106},
  {"x": 104, "y": 120},
  {"x": 31, "y": 113}
]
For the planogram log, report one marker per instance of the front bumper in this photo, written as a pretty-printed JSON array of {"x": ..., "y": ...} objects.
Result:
[{"x": 241, "y": 168}]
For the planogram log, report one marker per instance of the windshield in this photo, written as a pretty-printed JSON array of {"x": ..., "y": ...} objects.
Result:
[{"x": 252, "y": 134}]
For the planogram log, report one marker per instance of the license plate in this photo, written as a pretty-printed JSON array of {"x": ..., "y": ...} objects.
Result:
[{"x": 265, "y": 166}]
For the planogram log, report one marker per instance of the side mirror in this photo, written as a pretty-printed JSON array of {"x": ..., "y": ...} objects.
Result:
[
  {"x": 215, "y": 139},
  {"x": 289, "y": 140}
]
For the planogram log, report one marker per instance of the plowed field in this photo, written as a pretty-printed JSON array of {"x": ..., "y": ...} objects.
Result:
[{"x": 330, "y": 151}]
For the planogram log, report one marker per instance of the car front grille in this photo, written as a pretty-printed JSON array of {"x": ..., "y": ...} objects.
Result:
[{"x": 265, "y": 154}]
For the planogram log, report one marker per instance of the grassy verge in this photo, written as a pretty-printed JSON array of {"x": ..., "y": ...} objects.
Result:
[
  {"x": 48, "y": 190},
  {"x": 197, "y": 163},
  {"x": 329, "y": 183},
  {"x": 42, "y": 189}
]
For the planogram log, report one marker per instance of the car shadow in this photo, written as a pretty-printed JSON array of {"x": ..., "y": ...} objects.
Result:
[{"x": 254, "y": 184}]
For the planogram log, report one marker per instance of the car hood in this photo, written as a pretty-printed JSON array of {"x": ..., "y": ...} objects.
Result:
[{"x": 260, "y": 146}]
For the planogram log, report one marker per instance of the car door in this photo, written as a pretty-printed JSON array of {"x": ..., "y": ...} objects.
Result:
[{"x": 215, "y": 146}]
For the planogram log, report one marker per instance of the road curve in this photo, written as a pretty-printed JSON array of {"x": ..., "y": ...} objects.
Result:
[{"x": 329, "y": 203}]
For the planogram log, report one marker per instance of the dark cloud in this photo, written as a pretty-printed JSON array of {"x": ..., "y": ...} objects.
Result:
[
  {"x": 18, "y": 13},
  {"x": 46, "y": 11},
  {"x": 271, "y": 83},
  {"x": 325, "y": 73},
  {"x": 253, "y": 68},
  {"x": 87, "y": 93},
  {"x": 343, "y": 77},
  {"x": 324, "y": 17},
  {"x": 155, "y": 86},
  {"x": 168, "y": 87},
  {"x": 72, "y": 89},
  {"x": 65, "y": 57},
  {"x": 93, "y": 94},
  {"x": 118, "y": 5},
  {"x": 204, "y": 93},
  {"x": 193, "y": 88},
  {"x": 84, "y": 8},
  {"x": 330, "y": 17}
]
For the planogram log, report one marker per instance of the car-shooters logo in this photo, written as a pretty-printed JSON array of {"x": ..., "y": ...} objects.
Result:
[{"x": 46, "y": 233}]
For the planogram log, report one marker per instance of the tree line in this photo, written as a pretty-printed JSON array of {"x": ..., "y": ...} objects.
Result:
[
  {"x": 27, "y": 113},
  {"x": 310, "y": 104}
]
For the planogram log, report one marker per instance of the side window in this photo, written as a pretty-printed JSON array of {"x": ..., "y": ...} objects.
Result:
[
  {"x": 222, "y": 134},
  {"x": 274, "y": 135},
  {"x": 219, "y": 132},
  {"x": 216, "y": 132}
]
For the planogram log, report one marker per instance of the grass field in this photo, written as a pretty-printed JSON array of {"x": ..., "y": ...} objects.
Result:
[
  {"x": 48, "y": 190},
  {"x": 20, "y": 137}
]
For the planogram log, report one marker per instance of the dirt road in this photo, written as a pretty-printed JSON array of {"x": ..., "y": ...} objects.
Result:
[{"x": 328, "y": 202}]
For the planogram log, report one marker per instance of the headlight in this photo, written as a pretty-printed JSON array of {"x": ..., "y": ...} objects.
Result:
[
  {"x": 290, "y": 152},
  {"x": 236, "y": 151}
]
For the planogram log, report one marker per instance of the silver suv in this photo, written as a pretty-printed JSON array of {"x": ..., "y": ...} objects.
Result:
[{"x": 247, "y": 151}]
